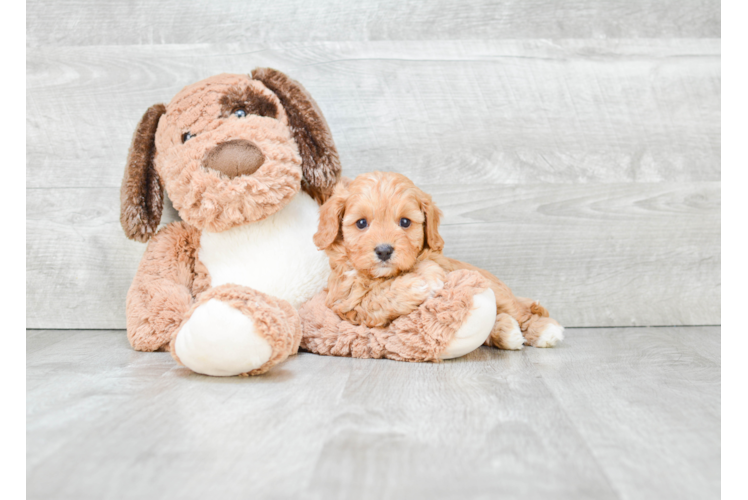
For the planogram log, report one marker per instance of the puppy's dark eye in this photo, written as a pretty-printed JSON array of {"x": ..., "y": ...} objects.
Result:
[
  {"x": 361, "y": 224},
  {"x": 186, "y": 137},
  {"x": 240, "y": 113},
  {"x": 405, "y": 223}
]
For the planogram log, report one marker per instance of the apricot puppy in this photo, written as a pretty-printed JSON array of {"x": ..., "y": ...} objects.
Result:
[
  {"x": 381, "y": 271},
  {"x": 380, "y": 233}
]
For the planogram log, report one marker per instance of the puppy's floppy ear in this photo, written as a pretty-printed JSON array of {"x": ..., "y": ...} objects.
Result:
[
  {"x": 330, "y": 218},
  {"x": 432, "y": 238},
  {"x": 141, "y": 195},
  {"x": 319, "y": 157}
]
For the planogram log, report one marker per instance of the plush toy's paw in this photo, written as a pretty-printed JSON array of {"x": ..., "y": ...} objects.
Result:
[
  {"x": 476, "y": 328},
  {"x": 219, "y": 340},
  {"x": 551, "y": 335},
  {"x": 235, "y": 330}
]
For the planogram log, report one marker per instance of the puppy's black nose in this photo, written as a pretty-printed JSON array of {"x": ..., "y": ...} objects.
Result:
[{"x": 384, "y": 252}]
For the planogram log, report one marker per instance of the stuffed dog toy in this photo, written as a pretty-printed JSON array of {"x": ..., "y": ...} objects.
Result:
[
  {"x": 246, "y": 161},
  {"x": 381, "y": 235}
]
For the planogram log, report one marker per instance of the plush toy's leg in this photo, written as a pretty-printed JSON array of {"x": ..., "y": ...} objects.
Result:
[
  {"x": 472, "y": 333},
  {"x": 235, "y": 330},
  {"x": 162, "y": 291},
  {"x": 455, "y": 321}
]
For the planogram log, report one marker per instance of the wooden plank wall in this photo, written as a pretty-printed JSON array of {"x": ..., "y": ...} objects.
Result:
[{"x": 574, "y": 147}]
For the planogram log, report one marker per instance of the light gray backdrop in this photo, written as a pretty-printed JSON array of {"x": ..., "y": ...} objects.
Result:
[{"x": 573, "y": 146}]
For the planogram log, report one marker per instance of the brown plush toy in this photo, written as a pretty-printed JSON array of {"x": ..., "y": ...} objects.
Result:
[{"x": 247, "y": 160}]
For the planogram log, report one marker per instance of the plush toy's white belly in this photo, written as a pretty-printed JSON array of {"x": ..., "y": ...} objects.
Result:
[{"x": 275, "y": 256}]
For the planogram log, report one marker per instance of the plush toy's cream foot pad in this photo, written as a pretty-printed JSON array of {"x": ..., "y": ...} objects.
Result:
[
  {"x": 221, "y": 341},
  {"x": 476, "y": 328}
]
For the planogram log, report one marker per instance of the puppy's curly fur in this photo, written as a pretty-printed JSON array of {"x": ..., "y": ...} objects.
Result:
[{"x": 386, "y": 211}]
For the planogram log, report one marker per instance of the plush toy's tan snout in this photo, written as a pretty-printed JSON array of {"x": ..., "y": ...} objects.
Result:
[{"x": 234, "y": 158}]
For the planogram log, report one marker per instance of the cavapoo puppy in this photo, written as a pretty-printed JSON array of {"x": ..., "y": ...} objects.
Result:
[{"x": 381, "y": 235}]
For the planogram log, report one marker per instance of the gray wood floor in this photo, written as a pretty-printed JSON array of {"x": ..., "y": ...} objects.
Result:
[{"x": 629, "y": 413}]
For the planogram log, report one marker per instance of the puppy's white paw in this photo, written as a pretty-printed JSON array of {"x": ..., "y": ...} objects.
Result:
[
  {"x": 552, "y": 335},
  {"x": 433, "y": 286},
  {"x": 431, "y": 277},
  {"x": 426, "y": 289},
  {"x": 476, "y": 328},
  {"x": 221, "y": 341},
  {"x": 513, "y": 340}
]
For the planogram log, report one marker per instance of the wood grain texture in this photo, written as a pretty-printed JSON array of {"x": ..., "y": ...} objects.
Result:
[
  {"x": 96, "y": 22},
  {"x": 594, "y": 255},
  {"x": 451, "y": 112},
  {"x": 609, "y": 381},
  {"x": 618, "y": 413},
  {"x": 598, "y": 159}
]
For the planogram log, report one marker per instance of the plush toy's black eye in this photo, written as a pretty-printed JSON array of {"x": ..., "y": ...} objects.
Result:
[
  {"x": 405, "y": 223},
  {"x": 240, "y": 113},
  {"x": 186, "y": 137},
  {"x": 361, "y": 224}
]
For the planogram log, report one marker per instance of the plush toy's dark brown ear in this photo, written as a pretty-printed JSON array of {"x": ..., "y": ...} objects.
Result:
[
  {"x": 141, "y": 196},
  {"x": 319, "y": 157}
]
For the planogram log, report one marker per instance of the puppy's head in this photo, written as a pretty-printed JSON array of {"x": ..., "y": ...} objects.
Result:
[
  {"x": 230, "y": 150},
  {"x": 380, "y": 223}
]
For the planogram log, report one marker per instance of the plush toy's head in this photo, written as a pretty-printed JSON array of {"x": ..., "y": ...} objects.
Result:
[
  {"x": 380, "y": 223},
  {"x": 230, "y": 150}
]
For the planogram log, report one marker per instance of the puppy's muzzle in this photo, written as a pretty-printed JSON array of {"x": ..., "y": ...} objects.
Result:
[{"x": 235, "y": 158}]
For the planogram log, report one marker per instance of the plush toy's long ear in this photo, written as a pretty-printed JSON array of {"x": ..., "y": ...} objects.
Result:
[
  {"x": 330, "y": 218},
  {"x": 432, "y": 238},
  {"x": 319, "y": 157},
  {"x": 141, "y": 196}
]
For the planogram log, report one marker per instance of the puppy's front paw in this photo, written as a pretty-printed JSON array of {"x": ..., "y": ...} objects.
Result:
[
  {"x": 370, "y": 315},
  {"x": 431, "y": 277},
  {"x": 434, "y": 286},
  {"x": 427, "y": 288}
]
